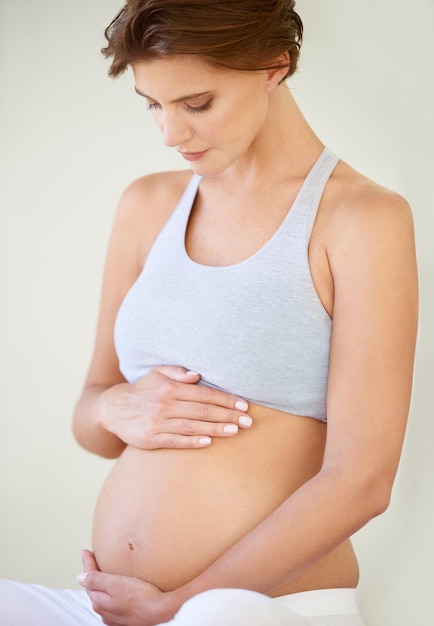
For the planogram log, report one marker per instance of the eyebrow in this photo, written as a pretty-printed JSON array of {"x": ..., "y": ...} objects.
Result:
[{"x": 190, "y": 96}]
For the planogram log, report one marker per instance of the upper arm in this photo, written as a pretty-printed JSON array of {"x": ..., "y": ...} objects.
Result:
[{"x": 373, "y": 262}]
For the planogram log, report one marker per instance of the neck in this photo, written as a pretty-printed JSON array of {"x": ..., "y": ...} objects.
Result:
[{"x": 286, "y": 144}]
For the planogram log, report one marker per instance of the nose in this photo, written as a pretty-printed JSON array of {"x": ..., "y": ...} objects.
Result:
[{"x": 175, "y": 130}]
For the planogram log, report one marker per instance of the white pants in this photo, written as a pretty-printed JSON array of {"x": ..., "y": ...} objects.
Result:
[{"x": 33, "y": 605}]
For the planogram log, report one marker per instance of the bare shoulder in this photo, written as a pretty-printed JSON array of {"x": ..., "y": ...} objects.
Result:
[
  {"x": 153, "y": 196},
  {"x": 360, "y": 199},
  {"x": 155, "y": 188},
  {"x": 147, "y": 203},
  {"x": 362, "y": 215}
]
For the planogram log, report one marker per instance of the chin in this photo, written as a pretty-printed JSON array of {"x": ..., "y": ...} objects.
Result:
[{"x": 209, "y": 169}]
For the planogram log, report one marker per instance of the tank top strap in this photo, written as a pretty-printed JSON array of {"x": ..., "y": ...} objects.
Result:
[
  {"x": 185, "y": 204},
  {"x": 305, "y": 206},
  {"x": 309, "y": 198}
]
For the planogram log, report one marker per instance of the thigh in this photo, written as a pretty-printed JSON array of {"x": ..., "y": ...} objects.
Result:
[
  {"x": 24, "y": 604},
  {"x": 234, "y": 607},
  {"x": 325, "y": 607}
]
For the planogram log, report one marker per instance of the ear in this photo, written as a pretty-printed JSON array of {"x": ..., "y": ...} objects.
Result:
[{"x": 276, "y": 75}]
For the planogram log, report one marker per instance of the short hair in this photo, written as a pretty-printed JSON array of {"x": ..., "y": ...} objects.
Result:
[{"x": 244, "y": 35}]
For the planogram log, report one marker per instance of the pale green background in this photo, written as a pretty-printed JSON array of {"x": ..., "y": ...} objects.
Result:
[{"x": 71, "y": 140}]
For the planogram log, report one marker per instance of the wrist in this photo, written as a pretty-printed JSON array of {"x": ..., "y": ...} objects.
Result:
[
  {"x": 169, "y": 606},
  {"x": 100, "y": 410},
  {"x": 102, "y": 424},
  {"x": 107, "y": 408},
  {"x": 176, "y": 598}
]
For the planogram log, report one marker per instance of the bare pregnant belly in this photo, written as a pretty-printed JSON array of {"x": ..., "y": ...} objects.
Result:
[{"x": 165, "y": 515}]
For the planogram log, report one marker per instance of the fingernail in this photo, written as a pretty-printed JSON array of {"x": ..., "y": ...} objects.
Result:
[
  {"x": 193, "y": 373},
  {"x": 82, "y": 577},
  {"x": 245, "y": 420},
  {"x": 205, "y": 441},
  {"x": 241, "y": 405},
  {"x": 231, "y": 428}
]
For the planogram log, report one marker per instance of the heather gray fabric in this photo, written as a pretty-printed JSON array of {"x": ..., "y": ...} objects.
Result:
[{"x": 256, "y": 329}]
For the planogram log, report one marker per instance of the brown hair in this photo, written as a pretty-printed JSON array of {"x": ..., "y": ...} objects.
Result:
[{"x": 245, "y": 35}]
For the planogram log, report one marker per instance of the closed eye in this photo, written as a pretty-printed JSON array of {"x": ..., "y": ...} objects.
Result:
[
  {"x": 154, "y": 106},
  {"x": 200, "y": 109}
]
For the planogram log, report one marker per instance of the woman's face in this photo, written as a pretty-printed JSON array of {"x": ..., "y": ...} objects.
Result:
[{"x": 212, "y": 117}]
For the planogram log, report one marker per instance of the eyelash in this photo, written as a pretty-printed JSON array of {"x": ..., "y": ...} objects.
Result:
[{"x": 153, "y": 106}]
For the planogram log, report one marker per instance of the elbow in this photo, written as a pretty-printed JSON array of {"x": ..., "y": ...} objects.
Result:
[
  {"x": 374, "y": 485},
  {"x": 108, "y": 448},
  {"x": 367, "y": 494},
  {"x": 76, "y": 427},
  {"x": 370, "y": 498},
  {"x": 79, "y": 433},
  {"x": 376, "y": 494},
  {"x": 80, "y": 425}
]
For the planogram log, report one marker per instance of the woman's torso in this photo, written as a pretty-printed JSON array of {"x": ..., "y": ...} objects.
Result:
[
  {"x": 228, "y": 321},
  {"x": 165, "y": 515}
]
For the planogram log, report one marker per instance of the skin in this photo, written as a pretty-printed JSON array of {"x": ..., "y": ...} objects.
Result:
[{"x": 257, "y": 150}]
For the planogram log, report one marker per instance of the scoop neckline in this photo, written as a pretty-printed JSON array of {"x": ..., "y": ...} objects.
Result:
[{"x": 288, "y": 217}]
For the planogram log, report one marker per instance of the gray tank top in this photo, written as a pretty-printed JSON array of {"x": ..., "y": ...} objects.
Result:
[{"x": 256, "y": 329}]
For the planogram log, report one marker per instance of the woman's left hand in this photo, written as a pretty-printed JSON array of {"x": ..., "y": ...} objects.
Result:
[{"x": 121, "y": 600}]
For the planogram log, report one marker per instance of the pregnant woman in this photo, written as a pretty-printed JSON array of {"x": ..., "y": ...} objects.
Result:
[{"x": 253, "y": 361}]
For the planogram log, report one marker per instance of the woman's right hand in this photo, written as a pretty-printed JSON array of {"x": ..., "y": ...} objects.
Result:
[{"x": 166, "y": 409}]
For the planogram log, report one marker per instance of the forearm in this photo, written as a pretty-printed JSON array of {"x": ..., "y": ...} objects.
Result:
[
  {"x": 87, "y": 425},
  {"x": 317, "y": 518}
]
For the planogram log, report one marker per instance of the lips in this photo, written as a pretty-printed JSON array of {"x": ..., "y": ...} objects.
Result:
[{"x": 192, "y": 156}]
